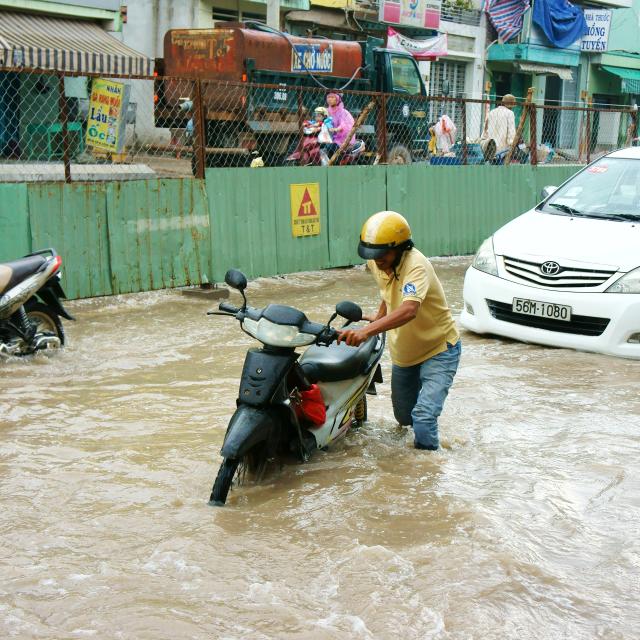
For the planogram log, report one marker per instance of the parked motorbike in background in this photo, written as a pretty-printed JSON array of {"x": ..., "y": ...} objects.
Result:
[
  {"x": 30, "y": 307},
  {"x": 309, "y": 152},
  {"x": 287, "y": 403}
]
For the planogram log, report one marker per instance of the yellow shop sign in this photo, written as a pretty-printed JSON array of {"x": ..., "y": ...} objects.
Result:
[{"x": 106, "y": 119}]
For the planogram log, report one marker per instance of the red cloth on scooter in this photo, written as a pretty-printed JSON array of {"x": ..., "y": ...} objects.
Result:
[{"x": 312, "y": 406}]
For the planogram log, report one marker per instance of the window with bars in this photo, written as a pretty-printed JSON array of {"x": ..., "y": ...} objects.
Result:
[
  {"x": 229, "y": 15},
  {"x": 454, "y": 73}
]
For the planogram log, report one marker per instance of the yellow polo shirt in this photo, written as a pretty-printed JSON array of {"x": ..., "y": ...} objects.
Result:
[{"x": 428, "y": 333}]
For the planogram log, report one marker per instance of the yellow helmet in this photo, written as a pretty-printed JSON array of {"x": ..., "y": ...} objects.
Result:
[{"x": 383, "y": 231}]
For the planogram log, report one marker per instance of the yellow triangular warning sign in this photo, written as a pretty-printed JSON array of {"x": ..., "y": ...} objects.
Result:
[{"x": 307, "y": 208}]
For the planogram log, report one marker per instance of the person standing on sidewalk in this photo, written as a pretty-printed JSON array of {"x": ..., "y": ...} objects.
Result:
[
  {"x": 500, "y": 125},
  {"x": 423, "y": 339}
]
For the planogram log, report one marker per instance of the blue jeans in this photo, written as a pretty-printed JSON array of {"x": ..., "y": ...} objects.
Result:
[{"x": 418, "y": 393}]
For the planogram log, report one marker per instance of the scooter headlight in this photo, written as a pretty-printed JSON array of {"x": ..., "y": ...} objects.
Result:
[
  {"x": 485, "y": 258},
  {"x": 277, "y": 335},
  {"x": 628, "y": 283}
]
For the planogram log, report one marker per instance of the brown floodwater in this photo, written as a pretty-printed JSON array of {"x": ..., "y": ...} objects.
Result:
[{"x": 524, "y": 525}]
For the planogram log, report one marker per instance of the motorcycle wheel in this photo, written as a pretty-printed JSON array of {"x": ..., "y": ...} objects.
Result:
[
  {"x": 223, "y": 481},
  {"x": 47, "y": 321}
]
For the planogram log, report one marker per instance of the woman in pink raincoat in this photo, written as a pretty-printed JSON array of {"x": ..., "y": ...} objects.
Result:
[{"x": 342, "y": 124}]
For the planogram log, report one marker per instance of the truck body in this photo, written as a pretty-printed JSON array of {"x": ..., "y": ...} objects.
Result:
[{"x": 252, "y": 80}]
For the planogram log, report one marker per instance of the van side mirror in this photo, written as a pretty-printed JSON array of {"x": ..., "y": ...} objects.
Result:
[{"x": 547, "y": 191}]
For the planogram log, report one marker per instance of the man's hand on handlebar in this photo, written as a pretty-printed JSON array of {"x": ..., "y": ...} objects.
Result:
[{"x": 353, "y": 337}]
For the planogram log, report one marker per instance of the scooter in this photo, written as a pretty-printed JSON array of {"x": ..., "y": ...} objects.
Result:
[
  {"x": 309, "y": 152},
  {"x": 30, "y": 307},
  {"x": 269, "y": 421}
]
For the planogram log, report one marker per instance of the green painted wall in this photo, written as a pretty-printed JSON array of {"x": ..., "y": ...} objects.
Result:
[
  {"x": 120, "y": 237},
  {"x": 159, "y": 234},
  {"x": 15, "y": 235}
]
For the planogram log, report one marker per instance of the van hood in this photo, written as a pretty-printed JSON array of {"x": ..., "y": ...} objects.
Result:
[{"x": 562, "y": 238}]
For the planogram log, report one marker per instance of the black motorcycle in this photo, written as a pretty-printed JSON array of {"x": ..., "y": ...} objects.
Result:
[
  {"x": 278, "y": 387},
  {"x": 30, "y": 307}
]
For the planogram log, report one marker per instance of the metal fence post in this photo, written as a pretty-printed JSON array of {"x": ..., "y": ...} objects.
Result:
[
  {"x": 199, "y": 131},
  {"x": 301, "y": 110},
  {"x": 64, "y": 117},
  {"x": 588, "y": 135},
  {"x": 533, "y": 134},
  {"x": 381, "y": 129},
  {"x": 463, "y": 112}
]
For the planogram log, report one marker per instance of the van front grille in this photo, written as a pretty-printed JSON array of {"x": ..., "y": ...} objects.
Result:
[{"x": 566, "y": 277}]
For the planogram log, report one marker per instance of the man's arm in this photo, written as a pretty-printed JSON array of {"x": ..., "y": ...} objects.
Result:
[
  {"x": 406, "y": 312},
  {"x": 382, "y": 311}
]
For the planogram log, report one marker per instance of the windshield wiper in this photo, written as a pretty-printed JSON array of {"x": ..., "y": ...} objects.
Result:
[
  {"x": 629, "y": 217},
  {"x": 565, "y": 208}
]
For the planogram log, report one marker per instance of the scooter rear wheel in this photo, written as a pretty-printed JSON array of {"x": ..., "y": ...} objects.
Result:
[
  {"x": 45, "y": 319},
  {"x": 223, "y": 481}
]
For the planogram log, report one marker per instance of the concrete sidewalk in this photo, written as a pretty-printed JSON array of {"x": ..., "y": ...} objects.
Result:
[{"x": 54, "y": 171}]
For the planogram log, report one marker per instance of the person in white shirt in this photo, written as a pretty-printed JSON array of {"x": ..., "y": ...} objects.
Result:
[{"x": 500, "y": 125}]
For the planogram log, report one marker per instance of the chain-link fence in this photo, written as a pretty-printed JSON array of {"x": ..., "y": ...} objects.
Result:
[{"x": 104, "y": 128}]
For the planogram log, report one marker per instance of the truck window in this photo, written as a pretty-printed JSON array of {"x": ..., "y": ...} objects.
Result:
[{"x": 404, "y": 76}]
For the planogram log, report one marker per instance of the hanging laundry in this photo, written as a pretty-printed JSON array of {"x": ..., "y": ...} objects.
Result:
[{"x": 507, "y": 16}]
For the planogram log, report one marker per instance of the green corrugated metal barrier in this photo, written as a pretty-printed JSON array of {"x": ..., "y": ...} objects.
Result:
[
  {"x": 451, "y": 209},
  {"x": 120, "y": 237}
]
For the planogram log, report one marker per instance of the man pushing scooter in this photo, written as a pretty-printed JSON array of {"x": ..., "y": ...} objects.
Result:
[{"x": 423, "y": 339}]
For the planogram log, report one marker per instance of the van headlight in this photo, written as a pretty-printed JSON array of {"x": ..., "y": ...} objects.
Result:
[
  {"x": 485, "y": 258},
  {"x": 628, "y": 283}
]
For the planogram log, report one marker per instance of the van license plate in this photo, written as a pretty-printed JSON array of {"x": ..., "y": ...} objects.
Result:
[{"x": 542, "y": 309}]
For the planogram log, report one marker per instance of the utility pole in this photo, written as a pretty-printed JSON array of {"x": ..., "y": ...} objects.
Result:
[{"x": 273, "y": 14}]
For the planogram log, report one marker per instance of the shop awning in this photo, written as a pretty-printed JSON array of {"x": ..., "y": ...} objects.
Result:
[
  {"x": 630, "y": 78},
  {"x": 29, "y": 41},
  {"x": 545, "y": 70}
]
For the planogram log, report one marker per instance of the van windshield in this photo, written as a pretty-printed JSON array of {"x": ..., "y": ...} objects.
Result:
[{"x": 609, "y": 188}]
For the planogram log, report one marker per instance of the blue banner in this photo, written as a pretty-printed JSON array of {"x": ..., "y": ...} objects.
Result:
[{"x": 312, "y": 57}]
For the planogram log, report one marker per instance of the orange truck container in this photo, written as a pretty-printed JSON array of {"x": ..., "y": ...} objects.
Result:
[
  {"x": 249, "y": 79},
  {"x": 221, "y": 53}
]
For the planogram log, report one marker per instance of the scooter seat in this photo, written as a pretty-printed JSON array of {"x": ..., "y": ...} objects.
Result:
[
  {"x": 337, "y": 361},
  {"x": 20, "y": 269}
]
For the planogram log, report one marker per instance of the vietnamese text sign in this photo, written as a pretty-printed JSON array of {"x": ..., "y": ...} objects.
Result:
[
  {"x": 106, "y": 121},
  {"x": 312, "y": 57},
  {"x": 305, "y": 209},
  {"x": 428, "y": 49},
  {"x": 412, "y": 13},
  {"x": 598, "y": 23}
]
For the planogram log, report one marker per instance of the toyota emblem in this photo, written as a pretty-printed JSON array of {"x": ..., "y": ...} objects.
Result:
[{"x": 550, "y": 268}]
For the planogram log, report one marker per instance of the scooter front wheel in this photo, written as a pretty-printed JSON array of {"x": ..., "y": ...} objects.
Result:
[{"x": 223, "y": 481}]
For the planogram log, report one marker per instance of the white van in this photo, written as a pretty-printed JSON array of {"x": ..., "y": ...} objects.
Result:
[{"x": 567, "y": 273}]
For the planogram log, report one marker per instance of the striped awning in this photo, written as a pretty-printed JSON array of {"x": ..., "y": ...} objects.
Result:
[
  {"x": 32, "y": 41},
  {"x": 630, "y": 78},
  {"x": 544, "y": 69}
]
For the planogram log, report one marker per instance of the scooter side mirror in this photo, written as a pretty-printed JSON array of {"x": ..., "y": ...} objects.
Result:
[
  {"x": 236, "y": 279},
  {"x": 349, "y": 310}
]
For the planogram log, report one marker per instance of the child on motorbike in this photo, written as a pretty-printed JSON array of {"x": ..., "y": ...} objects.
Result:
[
  {"x": 321, "y": 120},
  {"x": 314, "y": 131}
]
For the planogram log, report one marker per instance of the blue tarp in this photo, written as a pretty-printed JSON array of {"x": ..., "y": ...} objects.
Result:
[{"x": 561, "y": 22}]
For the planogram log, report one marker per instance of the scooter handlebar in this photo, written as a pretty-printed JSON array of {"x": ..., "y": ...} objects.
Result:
[
  {"x": 328, "y": 336},
  {"x": 229, "y": 308}
]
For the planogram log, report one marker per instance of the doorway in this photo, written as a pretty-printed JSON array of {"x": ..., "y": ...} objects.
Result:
[{"x": 551, "y": 117}]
